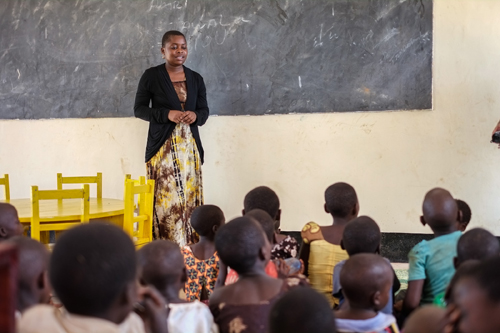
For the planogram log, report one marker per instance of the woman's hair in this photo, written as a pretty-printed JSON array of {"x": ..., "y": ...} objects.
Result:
[{"x": 168, "y": 34}]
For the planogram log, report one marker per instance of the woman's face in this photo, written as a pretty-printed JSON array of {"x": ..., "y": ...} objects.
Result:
[{"x": 175, "y": 51}]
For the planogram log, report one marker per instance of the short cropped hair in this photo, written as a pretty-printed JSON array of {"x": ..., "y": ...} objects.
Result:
[
  {"x": 361, "y": 235},
  {"x": 466, "y": 211},
  {"x": 487, "y": 274},
  {"x": 91, "y": 265},
  {"x": 477, "y": 244},
  {"x": 238, "y": 243},
  {"x": 205, "y": 217},
  {"x": 340, "y": 199},
  {"x": 266, "y": 222},
  {"x": 160, "y": 263},
  {"x": 33, "y": 260},
  {"x": 166, "y": 37},
  {"x": 302, "y": 310},
  {"x": 264, "y": 198}
]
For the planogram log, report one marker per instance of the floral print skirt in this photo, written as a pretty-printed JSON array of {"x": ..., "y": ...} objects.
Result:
[{"x": 176, "y": 170}]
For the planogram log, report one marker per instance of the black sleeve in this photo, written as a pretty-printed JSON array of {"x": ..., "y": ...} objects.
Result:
[
  {"x": 201, "y": 111},
  {"x": 142, "y": 100}
]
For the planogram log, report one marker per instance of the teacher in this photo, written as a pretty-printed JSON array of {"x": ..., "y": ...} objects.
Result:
[{"x": 172, "y": 98}]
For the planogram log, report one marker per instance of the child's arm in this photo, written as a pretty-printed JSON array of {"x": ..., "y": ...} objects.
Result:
[
  {"x": 416, "y": 277},
  {"x": 413, "y": 295},
  {"x": 304, "y": 256}
]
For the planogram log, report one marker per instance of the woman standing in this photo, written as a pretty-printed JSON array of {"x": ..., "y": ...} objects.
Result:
[{"x": 174, "y": 153}]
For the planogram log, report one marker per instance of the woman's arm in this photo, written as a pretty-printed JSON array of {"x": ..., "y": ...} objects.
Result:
[{"x": 142, "y": 100}]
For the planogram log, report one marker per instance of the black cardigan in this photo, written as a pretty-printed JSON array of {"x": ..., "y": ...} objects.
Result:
[{"x": 156, "y": 87}]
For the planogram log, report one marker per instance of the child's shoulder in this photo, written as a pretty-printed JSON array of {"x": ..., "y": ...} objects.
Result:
[{"x": 310, "y": 232}]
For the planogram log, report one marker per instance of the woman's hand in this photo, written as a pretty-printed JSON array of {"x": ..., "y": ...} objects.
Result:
[
  {"x": 175, "y": 116},
  {"x": 188, "y": 117}
]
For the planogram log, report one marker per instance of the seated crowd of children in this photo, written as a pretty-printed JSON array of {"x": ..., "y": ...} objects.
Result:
[{"x": 245, "y": 276}]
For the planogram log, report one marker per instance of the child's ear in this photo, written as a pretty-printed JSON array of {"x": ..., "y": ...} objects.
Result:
[
  {"x": 377, "y": 251},
  {"x": 43, "y": 286},
  {"x": 455, "y": 262},
  {"x": 3, "y": 232},
  {"x": 278, "y": 217},
  {"x": 376, "y": 300},
  {"x": 342, "y": 244},
  {"x": 215, "y": 228},
  {"x": 355, "y": 210},
  {"x": 243, "y": 212},
  {"x": 326, "y": 209},
  {"x": 262, "y": 254},
  {"x": 422, "y": 220}
]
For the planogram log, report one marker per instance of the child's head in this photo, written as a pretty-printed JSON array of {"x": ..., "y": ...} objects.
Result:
[
  {"x": 476, "y": 297},
  {"x": 264, "y": 198},
  {"x": 464, "y": 269},
  {"x": 476, "y": 244},
  {"x": 341, "y": 201},
  {"x": 302, "y": 310},
  {"x": 161, "y": 265},
  {"x": 32, "y": 278},
  {"x": 361, "y": 235},
  {"x": 9, "y": 222},
  {"x": 206, "y": 220},
  {"x": 440, "y": 211},
  {"x": 464, "y": 216},
  {"x": 242, "y": 244},
  {"x": 93, "y": 271},
  {"x": 265, "y": 221},
  {"x": 366, "y": 281}
]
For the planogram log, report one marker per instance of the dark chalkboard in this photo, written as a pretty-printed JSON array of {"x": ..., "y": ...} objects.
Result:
[{"x": 84, "y": 58}]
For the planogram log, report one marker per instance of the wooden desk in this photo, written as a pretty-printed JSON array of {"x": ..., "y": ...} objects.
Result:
[{"x": 69, "y": 210}]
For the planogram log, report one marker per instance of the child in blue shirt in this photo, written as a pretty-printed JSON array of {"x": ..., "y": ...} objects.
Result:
[{"x": 431, "y": 262}]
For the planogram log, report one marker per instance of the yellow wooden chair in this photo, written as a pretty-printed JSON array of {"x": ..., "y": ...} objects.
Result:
[
  {"x": 143, "y": 233},
  {"x": 39, "y": 224},
  {"x": 81, "y": 180},
  {"x": 5, "y": 182}
]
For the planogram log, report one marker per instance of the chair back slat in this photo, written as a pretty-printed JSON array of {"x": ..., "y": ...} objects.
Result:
[
  {"x": 48, "y": 223},
  {"x": 81, "y": 180},
  {"x": 145, "y": 192},
  {"x": 5, "y": 182}
]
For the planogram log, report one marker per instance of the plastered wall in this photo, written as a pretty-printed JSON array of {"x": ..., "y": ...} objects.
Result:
[{"x": 391, "y": 158}]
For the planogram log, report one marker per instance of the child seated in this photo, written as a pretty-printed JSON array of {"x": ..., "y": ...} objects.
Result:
[
  {"x": 321, "y": 249},
  {"x": 362, "y": 235},
  {"x": 93, "y": 272},
  {"x": 476, "y": 296},
  {"x": 430, "y": 262},
  {"x": 244, "y": 305},
  {"x": 474, "y": 246},
  {"x": 464, "y": 215},
  {"x": 267, "y": 224},
  {"x": 161, "y": 265},
  {"x": 9, "y": 222},
  {"x": 32, "y": 277},
  {"x": 201, "y": 259},
  {"x": 302, "y": 310},
  {"x": 366, "y": 281},
  {"x": 264, "y": 198}
]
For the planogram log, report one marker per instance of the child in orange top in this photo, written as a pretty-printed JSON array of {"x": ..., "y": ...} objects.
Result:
[{"x": 201, "y": 259}]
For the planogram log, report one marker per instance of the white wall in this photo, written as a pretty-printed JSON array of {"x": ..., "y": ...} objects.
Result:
[{"x": 391, "y": 158}]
